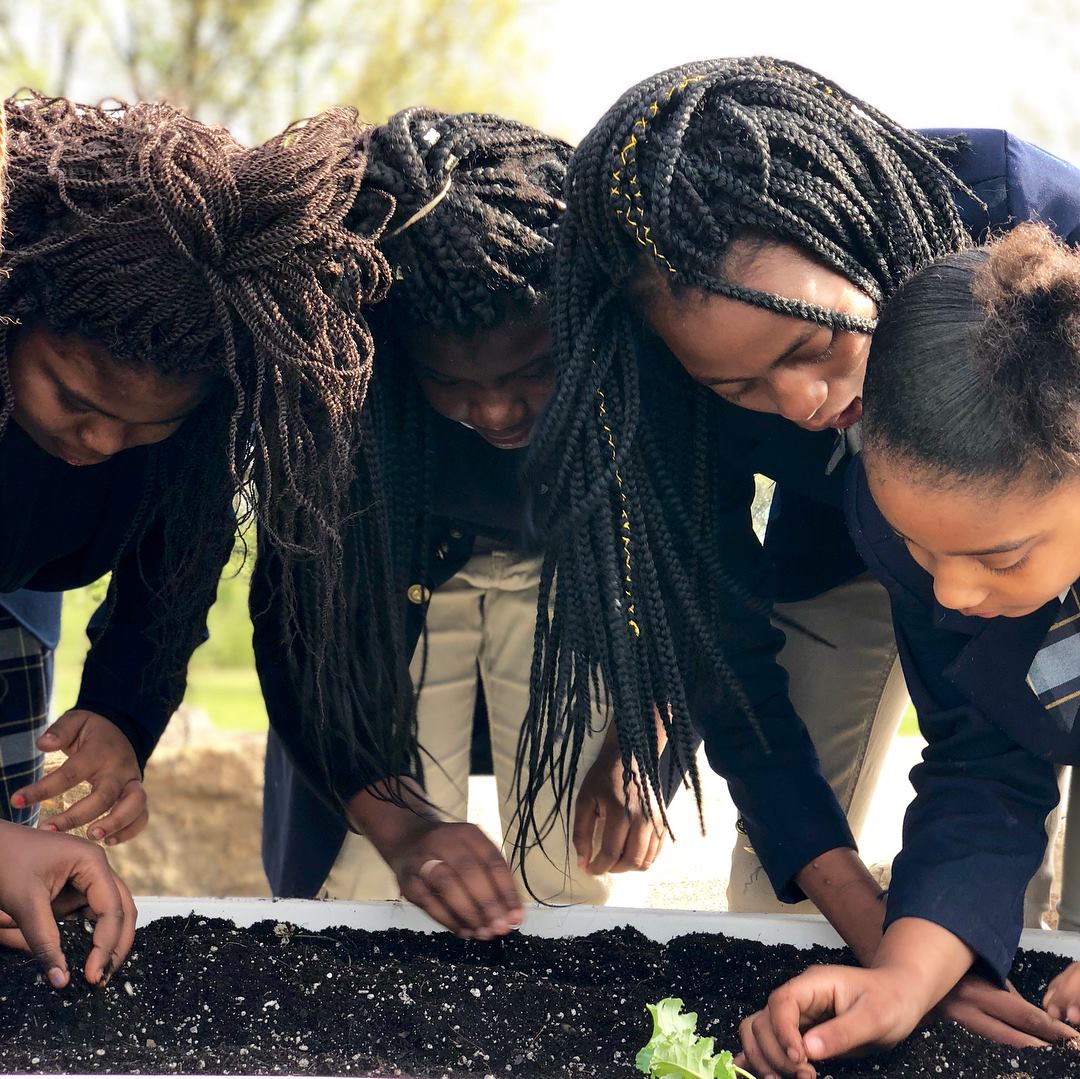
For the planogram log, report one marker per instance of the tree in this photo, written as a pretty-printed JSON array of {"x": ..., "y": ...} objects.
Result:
[{"x": 254, "y": 65}]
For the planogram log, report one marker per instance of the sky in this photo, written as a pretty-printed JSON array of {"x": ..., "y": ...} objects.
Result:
[{"x": 941, "y": 63}]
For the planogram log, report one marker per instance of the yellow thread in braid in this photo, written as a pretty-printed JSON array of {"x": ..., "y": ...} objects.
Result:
[
  {"x": 624, "y": 525},
  {"x": 634, "y": 211}
]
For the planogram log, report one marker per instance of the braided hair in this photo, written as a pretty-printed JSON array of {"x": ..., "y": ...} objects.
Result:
[
  {"x": 682, "y": 165},
  {"x": 180, "y": 251},
  {"x": 475, "y": 202}
]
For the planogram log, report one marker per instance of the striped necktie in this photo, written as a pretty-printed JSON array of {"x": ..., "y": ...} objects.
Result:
[{"x": 1054, "y": 676}]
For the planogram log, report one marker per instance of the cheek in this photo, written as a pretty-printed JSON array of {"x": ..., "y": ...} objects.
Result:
[
  {"x": 446, "y": 401},
  {"x": 36, "y": 406}
]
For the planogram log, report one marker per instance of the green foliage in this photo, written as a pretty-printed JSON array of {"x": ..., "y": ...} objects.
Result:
[
  {"x": 676, "y": 1052},
  {"x": 255, "y": 65}
]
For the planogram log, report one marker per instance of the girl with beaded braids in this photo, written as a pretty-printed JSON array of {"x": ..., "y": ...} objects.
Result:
[
  {"x": 463, "y": 370},
  {"x": 733, "y": 227},
  {"x": 181, "y": 340}
]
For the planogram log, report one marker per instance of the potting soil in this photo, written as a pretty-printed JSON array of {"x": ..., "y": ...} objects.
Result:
[{"x": 200, "y": 995}]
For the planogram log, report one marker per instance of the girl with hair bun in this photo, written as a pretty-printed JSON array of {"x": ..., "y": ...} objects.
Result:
[{"x": 966, "y": 506}]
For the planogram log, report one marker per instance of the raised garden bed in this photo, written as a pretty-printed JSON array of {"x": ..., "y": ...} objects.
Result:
[{"x": 292, "y": 995}]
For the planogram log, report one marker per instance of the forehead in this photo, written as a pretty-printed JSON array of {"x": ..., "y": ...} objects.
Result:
[
  {"x": 958, "y": 516},
  {"x": 87, "y": 368},
  {"x": 482, "y": 355}
]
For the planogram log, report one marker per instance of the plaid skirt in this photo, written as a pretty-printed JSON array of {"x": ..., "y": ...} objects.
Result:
[{"x": 25, "y": 676}]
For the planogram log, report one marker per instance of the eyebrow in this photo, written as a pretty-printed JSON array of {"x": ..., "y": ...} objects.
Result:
[
  {"x": 538, "y": 358},
  {"x": 92, "y": 406},
  {"x": 1001, "y": 548},
  {"x": 790, "y": 351}
]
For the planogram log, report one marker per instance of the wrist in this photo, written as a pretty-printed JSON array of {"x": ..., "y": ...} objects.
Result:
[
  {"x": 842, "y": 888},
  {"x": 923, "y": 956},
  {"x": 390, "y": 813}
]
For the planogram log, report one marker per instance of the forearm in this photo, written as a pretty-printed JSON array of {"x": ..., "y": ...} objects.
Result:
[
  {"x": 842, "y": 888},
  {"x": 931, "y": 959},
  {"x": 389, "y": 811}
]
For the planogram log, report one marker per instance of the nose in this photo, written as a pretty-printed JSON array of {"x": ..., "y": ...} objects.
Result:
[
  {"x": 496, "y": 410},
  {"x": 958, "y": 588},
  {"x": 103, "y": 437},
  {"x": 798, "y": 394}
]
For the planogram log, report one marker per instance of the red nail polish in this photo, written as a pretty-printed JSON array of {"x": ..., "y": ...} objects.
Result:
[{"x": 18, "y": 801}]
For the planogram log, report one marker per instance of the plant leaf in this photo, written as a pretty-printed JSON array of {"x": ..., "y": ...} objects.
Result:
[{"x": 676, "y": 1052}]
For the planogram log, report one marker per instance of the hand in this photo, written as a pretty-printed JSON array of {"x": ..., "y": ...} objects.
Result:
[
  {"x": 870, "y": 1009},
  {"x": 630, "y": 840},
  {"x": 46, "y": 877},
  {"x": 1062, "y": 1000},
  {"x": 1002, "y": 1015},
  {"x": 99, "y": 753},
  {"x": 456, "y": 874}
]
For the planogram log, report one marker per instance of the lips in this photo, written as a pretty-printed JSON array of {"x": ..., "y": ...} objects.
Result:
[{"x": 509, "y": 438}]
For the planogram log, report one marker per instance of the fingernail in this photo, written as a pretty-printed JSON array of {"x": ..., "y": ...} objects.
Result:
[
  {"x": 582, "y": 863},
  {"x": 814, "y": 1045},
  {"x": 483, "y": 934},
  {"x": 18, "y": 801},
  {"x": 1074, "y": 1014},
  {"x": 793, "y": 1055},
  {"x": 50, "y": 828},
  {"x": 111, "y": 841},
  {"x": 57, "y": 978},
  {"x": 98, "y": 833}
]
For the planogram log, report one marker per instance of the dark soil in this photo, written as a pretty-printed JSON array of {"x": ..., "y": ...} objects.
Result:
[{"x": 200, "y": 995}]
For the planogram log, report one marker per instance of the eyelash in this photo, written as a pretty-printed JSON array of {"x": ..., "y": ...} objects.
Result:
[
  {"x": 1009, "y": 569},
  {"x": 822, "y": 357}
]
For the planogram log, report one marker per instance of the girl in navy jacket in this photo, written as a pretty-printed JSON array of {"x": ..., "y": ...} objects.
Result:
[{"x": 967, "y": 507}]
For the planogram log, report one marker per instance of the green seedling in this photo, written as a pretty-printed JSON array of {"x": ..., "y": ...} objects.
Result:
[{"x": 675, "y": 1051}]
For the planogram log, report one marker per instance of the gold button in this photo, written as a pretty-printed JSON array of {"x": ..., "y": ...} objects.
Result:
[
  {"x": 418, "y": 594},
  {"x": 740, "y": 824}
]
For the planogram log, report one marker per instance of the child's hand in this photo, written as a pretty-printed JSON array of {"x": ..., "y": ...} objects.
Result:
[
  {"x": 1002, "y": 1015},
  {"x": 630, "y": 839},
  {"x": 869, "y": 1009},
  {"x": 99, "y": 753},
  {"x": 1062, "y": 998},
  {"x": 46, "y": 877},
  {"x": 456, "y": 874}
]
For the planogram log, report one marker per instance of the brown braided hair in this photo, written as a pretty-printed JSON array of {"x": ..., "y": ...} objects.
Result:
[{"x": 180, "y": 251}]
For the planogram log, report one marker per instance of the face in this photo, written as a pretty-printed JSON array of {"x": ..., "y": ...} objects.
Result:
[
  {"x": 763, "y": 361},
  {"x": 78, "y": 404},
  {"x": 998, "y": 553},
  {"x": 497, "y": 382}
]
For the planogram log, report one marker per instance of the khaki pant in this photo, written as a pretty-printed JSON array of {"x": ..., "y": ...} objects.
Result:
[
  {"x": 482, "y": 620},
  {"x": 852, "y": 699}
]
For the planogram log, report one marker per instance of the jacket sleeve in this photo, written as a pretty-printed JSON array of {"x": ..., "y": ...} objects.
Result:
[
  {"x": 787, "y": 808},
  {"x": 976, "y": 831},
  {"x": 332, "y": 772},
  {"x": 126, "y": 677}
]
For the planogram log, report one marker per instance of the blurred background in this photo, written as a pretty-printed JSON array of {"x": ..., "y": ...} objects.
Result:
[{"x": 255, "y": 65}]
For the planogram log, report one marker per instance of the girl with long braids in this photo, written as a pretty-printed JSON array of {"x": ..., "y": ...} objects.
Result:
[
  {"x": 965, "y": 503},
  {"x": 182, "y": 345},
  {"x": 733, "y": 227},
  {"x": 463, "y": 370}
]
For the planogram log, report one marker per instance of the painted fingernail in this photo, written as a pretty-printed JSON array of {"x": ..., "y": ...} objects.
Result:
[
  {"x": 98, "y": 833},
  {"x": 18, "y": 801},
  {"x": 50, "y": 828},
  {"x": 57, "y": 978}
]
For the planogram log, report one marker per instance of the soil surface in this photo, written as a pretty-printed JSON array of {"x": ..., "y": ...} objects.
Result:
[{"x": 200, "y": 995}]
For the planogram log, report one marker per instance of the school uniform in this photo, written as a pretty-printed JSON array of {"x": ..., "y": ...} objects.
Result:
[
  {"x": 997, "y": 702},
  {"x": 62, "y": 527},
  {"x": 852, "y": 697}
]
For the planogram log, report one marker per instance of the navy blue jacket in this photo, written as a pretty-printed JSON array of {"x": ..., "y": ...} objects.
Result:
[
  {"x": 787, "y": 808},
  {"x": 975, "y": 833}
]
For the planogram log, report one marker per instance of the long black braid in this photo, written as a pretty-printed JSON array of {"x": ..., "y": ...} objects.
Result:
[
  {"x": 635, "y": 579},
  {"x": 475, "y": 202}
]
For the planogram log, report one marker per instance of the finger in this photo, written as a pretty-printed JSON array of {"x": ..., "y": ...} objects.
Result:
[
  {"x": 34, "y": 917},
  {"x": 105, "y": 897},
  {"x": 785, "y": 1016},
  {"x": 125, "y": 811},
  {"x": 71, "y": 773},
  {"x": 586, "y": 812},
  {"x": 758, "y": 1064},
  {"x": 88, "y": 809},
  {"x": 616, "y": 827},
  {"x": 989, "y": 1026},
  {"x": 12, "y": 939},
  {"x": 635, "y": 852},
  {"x": 775, "y": 1054},
  {"x": 510, "y": 912},
  {"x": 131, "y": 831},
  {"x": 466, "y": 888},
  {"x": 417, "y": 891},
  {"x": 858, "y": 1026},
  {"x": 1014, "y": 1011},
  {"x": 62, "y": 734}
]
